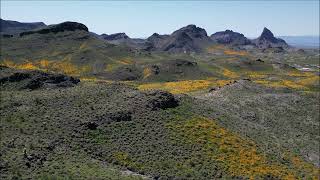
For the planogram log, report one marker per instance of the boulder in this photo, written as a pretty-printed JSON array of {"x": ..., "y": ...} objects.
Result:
[{"x": 161, "y": 100}]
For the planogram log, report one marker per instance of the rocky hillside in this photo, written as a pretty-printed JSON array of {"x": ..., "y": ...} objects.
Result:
[{"x": 15, "y": 27}]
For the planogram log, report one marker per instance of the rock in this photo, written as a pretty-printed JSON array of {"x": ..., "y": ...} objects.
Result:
[
  {"x": 161, "y": 100},
  {"x": 91, "y": 125},
  {"x": 37, "y": 79},
  {"x": 16, "y": 77},
  {"x": 40, "y": 79},
  {"x": 259, "y": 60}
]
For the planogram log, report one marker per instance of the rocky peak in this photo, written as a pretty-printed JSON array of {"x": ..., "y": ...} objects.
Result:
[
  {"x": 267, "y": 35},
  {"x": 230, "y": 37},
  {"x": 193, "y": 31},
  {"x": 115, "y": 36},
  {"x": 268, "y": 40}
]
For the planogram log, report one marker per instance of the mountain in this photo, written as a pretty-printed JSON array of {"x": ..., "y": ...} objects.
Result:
[
  {"x": 268, "y": 40},
  {"x": 229, "y": 37},
  {"x": 15, "y": 27},
  {"x": 195, "y": 39},
  {"x": 187, "y": 39},
  {"x": 302, "y": 41}
]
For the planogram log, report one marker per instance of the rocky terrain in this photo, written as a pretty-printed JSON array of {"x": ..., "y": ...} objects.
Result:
[{"x": 77, "y": 105}]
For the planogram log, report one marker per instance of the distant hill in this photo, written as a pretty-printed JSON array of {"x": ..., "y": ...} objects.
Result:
[
  {"x": 15, "y": 27},
  {"x": 229, "y": 37},
  {"x": 123, "y": 39},
  {"x": 302, "y": 41},
  {"x": 195, "y": 39},
  {"x": 186, "y": 39}
]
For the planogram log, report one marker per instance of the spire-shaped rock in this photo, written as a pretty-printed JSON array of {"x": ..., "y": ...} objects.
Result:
[{"x": 268, "y": 40}]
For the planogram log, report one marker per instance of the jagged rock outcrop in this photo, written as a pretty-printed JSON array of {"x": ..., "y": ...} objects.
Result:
[
  {"x": 229, "y": 37},
  {"x": 268, "y": 40},
  {"x": 65, "y": 26}
]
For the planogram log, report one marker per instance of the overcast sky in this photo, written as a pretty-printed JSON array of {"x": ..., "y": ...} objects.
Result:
[{"x": 143, "y": 18}]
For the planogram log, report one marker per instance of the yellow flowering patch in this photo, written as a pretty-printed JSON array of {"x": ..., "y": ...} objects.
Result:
[
  {"x": 225, "y": 50},
  {"x": 178, "y": 87},
  {"x": 110, "y": 67},
  {"x": 146, "y": 72},
  {"x": 237, "y": 53},
  {"x": 26, "y": 65},
  {"x": 229, "y": 74},
  {"x": 240, "y": 156},
  {"x": 83, "y": 46},
  {"x": 216, "y": 48},
  {"x": 299, "y": 74},
  {"x": 300, "y": 84},
  {"x": 187, "y": 86},
  {"x": 256, "y": 75},
  {"x": 281, "y": 84},
  {"x": 311, "y": 80},
  {"x": 63, "y": 66},
  {"x": 126, "y": 61},
  {"x": 44, "y": 64}
]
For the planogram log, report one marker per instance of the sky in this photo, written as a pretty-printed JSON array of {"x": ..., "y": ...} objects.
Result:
[{"x": 143, "y": 18}]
